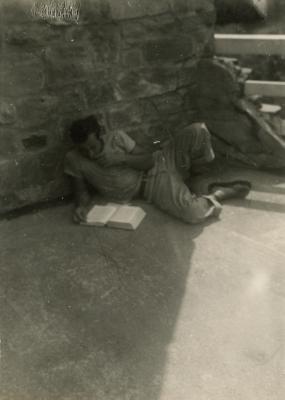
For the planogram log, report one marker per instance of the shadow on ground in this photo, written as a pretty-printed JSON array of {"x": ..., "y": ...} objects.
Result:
[
  {"x": 88, "y": 313},
  {"x": 161, "y": 313}
]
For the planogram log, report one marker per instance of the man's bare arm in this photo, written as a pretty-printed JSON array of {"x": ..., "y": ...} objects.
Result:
[
  {"x": 138, "y": 159},
  {"x": 81, "y": 193},
  {"x": 82, "y": 199}
]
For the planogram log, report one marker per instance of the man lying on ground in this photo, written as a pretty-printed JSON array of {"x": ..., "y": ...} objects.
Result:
[{"x": 120, "y": 170}]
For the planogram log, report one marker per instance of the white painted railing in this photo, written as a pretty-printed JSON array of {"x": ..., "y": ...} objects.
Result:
[
  {"x": 250, "y": 44},
  {"x": 234, "y": 45},
  {"x": 265, "y": 88}
]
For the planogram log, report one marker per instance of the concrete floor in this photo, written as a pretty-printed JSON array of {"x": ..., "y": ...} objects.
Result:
[{"x": 168, "y": 312}]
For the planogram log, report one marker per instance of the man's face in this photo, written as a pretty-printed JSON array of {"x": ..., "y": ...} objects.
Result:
[{"x": 91, "y": 147}]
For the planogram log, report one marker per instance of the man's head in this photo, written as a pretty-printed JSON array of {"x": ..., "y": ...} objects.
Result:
[{"x": 86, "y": 134}]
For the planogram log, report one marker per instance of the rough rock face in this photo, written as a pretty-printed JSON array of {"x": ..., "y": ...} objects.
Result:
[
  {"x": 240, "y": 131},
  {"x": 229, "y": 11},
  {"x": 130, "y": 62}
]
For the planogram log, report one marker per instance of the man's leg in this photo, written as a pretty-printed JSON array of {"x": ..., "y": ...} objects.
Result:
[
  {"x": 170, "y": 194},
  {"x": 193, "y": 149}
]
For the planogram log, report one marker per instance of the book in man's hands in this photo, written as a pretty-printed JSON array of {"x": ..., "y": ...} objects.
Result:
[{"x": 115, "y": 216}]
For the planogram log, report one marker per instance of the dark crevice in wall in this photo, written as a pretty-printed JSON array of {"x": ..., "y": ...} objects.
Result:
[{"x": 34, "y": 142}]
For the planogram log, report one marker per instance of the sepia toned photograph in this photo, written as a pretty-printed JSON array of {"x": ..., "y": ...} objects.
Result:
[{"x": 142, "y": 200}]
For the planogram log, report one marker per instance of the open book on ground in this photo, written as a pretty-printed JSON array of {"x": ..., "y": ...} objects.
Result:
[{"x": 115, "y": 216}]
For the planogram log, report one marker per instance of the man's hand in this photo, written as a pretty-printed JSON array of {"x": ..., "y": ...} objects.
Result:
[
  {"x": 79, "y": 214},
  {"x": 108, "y": 159}
]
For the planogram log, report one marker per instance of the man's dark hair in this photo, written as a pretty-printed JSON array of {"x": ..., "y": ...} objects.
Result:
[{"x": 81, "y": 129}]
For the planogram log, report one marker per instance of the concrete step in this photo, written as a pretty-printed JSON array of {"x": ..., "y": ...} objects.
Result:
[{"x": 270, "y": 108}]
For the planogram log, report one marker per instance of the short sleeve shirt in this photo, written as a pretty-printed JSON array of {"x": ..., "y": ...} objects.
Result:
[{"x": 116, "y": 182}]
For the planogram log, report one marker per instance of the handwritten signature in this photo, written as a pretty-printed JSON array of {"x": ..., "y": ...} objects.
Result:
[{"x": 57, "y": 10}]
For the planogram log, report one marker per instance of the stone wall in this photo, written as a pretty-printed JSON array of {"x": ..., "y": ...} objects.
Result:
[{"x": 131, "y": 62}]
